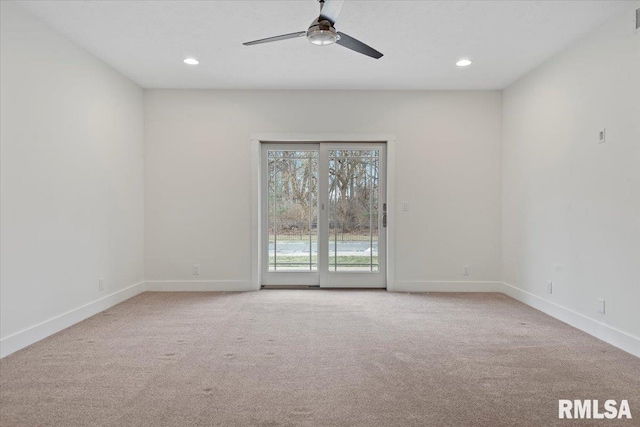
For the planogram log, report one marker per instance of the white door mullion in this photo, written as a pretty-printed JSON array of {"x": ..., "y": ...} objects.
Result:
[{"x": 323, "y": 226}]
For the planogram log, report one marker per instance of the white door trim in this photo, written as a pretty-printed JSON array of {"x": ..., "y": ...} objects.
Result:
[{"x": 256, "y": 210}]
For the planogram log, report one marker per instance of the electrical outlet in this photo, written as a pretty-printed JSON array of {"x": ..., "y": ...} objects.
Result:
[
  {"x": 602, "y": 136},
  {"x": 600, "y": 306},
  {"x": 196, "y": 269},
  {"x": 101, "y": 284},
  {"x": 549, "y": 287},
  {"x": 466, "y": 270}
]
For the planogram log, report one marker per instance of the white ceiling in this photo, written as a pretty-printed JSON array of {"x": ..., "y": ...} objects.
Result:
[{"x": 421, "y": 41}]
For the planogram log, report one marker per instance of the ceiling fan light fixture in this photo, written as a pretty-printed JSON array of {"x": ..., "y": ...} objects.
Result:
[
  {"x": 321, "y": 37},
  {"x": 322, "y": 32}
]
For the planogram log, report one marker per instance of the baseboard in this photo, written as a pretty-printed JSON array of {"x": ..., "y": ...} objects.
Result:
[
  {"x": 446, "y": 286},
  {"x": 26, "y": 337},
  {"x": 606, "y": 333},
  {"x": 199, "y": 285}
]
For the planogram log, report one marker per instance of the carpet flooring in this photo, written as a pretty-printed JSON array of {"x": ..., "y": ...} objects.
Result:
[{"x": 314, "y": 358}]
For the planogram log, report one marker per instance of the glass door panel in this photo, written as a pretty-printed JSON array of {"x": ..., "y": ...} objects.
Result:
[
  {"x": 353, "y": 210},
  {"x": 354, "y": 220},
  {"x": 290, "y": 218}
]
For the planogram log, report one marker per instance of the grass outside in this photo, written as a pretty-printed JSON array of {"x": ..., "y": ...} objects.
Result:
[{"x": 348, "y": 260}]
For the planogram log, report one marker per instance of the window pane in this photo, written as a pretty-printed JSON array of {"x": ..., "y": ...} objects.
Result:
[
  {"x": 293, "y": 210},
  {"x": 353, "y": 210}
]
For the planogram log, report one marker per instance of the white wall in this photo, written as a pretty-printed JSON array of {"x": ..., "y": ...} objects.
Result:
[
  {"x": 571, "y": 206},
  {"x": 198, "y": 176},
  {"x": 72, "y": 180}
]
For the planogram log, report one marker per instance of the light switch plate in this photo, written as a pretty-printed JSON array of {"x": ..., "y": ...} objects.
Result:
[
  {"x": 602, "y": 136},
  {"x": 405, "y": 206},
  {"x": 600, "y": 306}
]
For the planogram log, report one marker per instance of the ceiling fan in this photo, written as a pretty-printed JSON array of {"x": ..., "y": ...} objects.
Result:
[{"x": 321, "y": 32}]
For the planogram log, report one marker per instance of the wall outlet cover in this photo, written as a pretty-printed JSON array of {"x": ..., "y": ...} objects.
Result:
[{"x": 466, "y": 270}]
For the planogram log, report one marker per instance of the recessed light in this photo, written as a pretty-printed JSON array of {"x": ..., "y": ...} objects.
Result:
[
  {"x": 191, "y": 61},
  {"x": 463, "y": 63}
]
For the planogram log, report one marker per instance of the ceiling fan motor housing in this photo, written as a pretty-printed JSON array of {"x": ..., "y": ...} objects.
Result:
[{"x": 322, "y": 33}]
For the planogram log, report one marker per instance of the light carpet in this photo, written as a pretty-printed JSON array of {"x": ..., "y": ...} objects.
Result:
[{"x": 314, "y": 358}]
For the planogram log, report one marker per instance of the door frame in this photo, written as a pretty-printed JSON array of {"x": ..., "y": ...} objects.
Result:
[{"x": 256, "y": 203}]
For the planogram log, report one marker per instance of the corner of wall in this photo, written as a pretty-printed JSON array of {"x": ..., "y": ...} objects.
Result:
[
  {"x": 583, "y": 239},
  {"x": 35, "y": 333}
]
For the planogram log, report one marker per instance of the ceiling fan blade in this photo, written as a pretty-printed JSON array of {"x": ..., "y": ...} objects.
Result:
[
  {"x": 277, "y": 38},
  {"x": 330, "y": 9},
  {"x": 356, "y": 45}
]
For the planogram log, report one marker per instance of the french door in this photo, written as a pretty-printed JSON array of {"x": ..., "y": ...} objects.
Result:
[{"x": 323, "y": 214}]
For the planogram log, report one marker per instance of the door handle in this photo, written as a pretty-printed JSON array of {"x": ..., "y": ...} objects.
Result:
[{"x": 384, "y": 215}]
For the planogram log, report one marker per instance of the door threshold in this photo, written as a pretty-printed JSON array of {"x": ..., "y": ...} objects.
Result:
[
  {"x": 290, "y": 287},
  {"x": 317, "y": 287}
]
